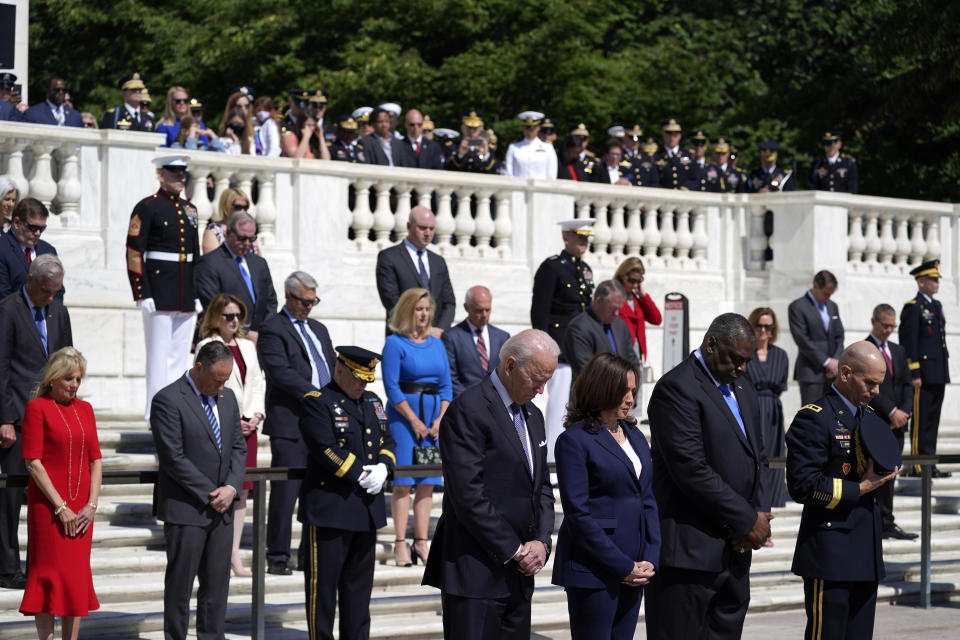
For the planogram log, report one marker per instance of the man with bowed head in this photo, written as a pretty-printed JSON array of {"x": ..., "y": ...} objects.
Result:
[
  {"x": 498, "y": 506},
  {"x": 473, "y": 346},
  {"x": 816, "y": 328}
]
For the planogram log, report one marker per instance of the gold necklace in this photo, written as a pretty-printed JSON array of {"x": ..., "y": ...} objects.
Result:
[{"x": 83, "y": 439}]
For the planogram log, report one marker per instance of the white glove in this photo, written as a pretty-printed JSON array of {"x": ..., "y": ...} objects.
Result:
[
  {"x": 197, "y": 306},
  {"x": 376, "y": 476},
  {"x": 147, "y": 304}
]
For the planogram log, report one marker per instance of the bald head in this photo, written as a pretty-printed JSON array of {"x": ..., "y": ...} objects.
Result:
[
  {"x": 414, "y": 124},
  {"x": 861, "y": 371},
  {"x": 477, "y": 302},
  {"x": 421, "y": 225}
]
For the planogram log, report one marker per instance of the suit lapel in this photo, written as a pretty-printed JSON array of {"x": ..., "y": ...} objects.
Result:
[
  {"x": 608, "y": 442},
  {"x": 750, "y": 422},
  {"x": 503, "y": 419},
  {"x": 29, "y": 322},
  {"x": 194, "y": 406},
  {"x": 712, "y": 392},
  {"x": 294, "y": 332}
]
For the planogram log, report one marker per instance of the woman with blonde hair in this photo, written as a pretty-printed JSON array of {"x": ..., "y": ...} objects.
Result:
[
  {"x": 9, "y": 196},
  {"x": 231, "y": 201},
  {"x": 416, "y": 378},
  {"x": 62, "y": 454},
  {"x": 224, "y": 321},
  {"x": 175, "y": 108}
]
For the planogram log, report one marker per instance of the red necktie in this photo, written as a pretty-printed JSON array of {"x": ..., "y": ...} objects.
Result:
[
  {"x": 29, "y": 255},
  {"x": 416, "y": 147},
  {"x": 883, "y": 350},
  {"x": 482, "y": 351},
  {"x": 573, "y": 173}
]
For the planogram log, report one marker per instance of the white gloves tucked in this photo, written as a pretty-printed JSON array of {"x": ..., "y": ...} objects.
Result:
[
  {"x": 197, "y": 306},
  {"x": 376, "y": 476},
  {"x": 147, "y": 304}
]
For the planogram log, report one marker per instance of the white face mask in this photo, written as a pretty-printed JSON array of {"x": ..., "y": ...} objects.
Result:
[{"x": 262, "y": 115}]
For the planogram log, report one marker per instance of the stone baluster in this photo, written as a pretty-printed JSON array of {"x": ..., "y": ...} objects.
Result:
[
  {"x": 267, "y": 208},
  {"x": 634, "y": 230},
  {"x": 503, "y": 224},
  {"x": 69, "y": 189},
  {"x": 933, "y": 239},
  {"x": 424, "y": 197},
  {"x": 855, "y": 240},
  {"x": 871, "y": 237},
  {"x": 583, "y": 208},
  {"x": 903, "y": 238},
  {"x": 684, "y": 237},
  {"x": 888, "y": 246},
  {"x": 700, "y": 238},
  {"x": 668, "y": 232},
  {"x": 381, "y": 211},
  {"x": 446, "y": 225},
  {"x": 483, "y": 223},
  {"x": 618, "y": 230},
  {"x": 601, "y": 230},
  {"x": 383, "y": 218},
  {"x": 918, "y": 245},
  {"x": 42, "y": 185},
  {"x": 651, "y": 232},
  {"x": 14, "y": 148},
  {"x": 221, "y": 182},
  {"x": 398, "y": 221},
  {"x": 245, "y": 184},
  {"x": 199, "y": 199},
  {"x": 362, "y": 219},
  {"x": 463, "y": 224}
]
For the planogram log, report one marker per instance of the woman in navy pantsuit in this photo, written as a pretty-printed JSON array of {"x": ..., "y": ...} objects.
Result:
[{"x": 609, "y": 542}]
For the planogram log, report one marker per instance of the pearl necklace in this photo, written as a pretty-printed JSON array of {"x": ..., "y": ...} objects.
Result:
[{"x": 83, "y": 438}]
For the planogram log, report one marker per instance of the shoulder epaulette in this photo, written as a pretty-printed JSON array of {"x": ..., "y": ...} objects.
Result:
[
  {"x": 847, "y": 156},
  {"x": 111, "y": 109},
  {"x": 312, "y": 394},
  {"x": 812, "y": 407},
  {"x": 914, "y": 301},
  {"x": 555, "y": 257}
]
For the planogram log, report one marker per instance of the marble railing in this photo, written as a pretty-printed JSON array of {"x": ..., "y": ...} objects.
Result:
[{"x": 892, "y": 236}]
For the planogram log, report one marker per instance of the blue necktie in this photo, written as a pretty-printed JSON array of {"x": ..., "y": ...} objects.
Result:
[
  {"x": 424, "y": 276},
  {"x": 246, "y": 278},
  {"x": 323, "y": 376},
  {"x": 734, "y": 407},
  {"x": 521, "y": 432},
  {"x": 41, "y": 326},
  {"x": 613, "y": 343},
  {"x": 207, "y": 402},
  {"x": 824, "y": 316}
]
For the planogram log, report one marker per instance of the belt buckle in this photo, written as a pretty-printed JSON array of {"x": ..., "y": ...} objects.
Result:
[{"x": 183, "y": 257}]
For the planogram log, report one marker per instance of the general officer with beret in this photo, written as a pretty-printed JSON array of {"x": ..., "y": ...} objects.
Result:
[
  {"x": 562, "y": 289},
  {"x": 350, "y": 456},
  {"x": 923, "y": 335},
  {"x": 163, "y": 247},
  {"x": 838, "y": 453},
  {"x": 673, "y": 163},
  {"x": 834, "y": 171},
  {"x": 769, "y": 177},
  {"x": 128, "y": 116}
]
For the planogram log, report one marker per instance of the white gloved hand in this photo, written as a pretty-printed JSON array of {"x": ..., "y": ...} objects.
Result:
[
  {"x": 376, "y": 476},
  {"x": 197, "y": 306},
  {"x": 147, "y": 304}
]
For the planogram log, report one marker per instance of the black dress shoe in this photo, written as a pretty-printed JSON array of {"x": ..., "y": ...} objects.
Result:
[
  {"x": 16, "y": 581},
  {"x": 894, "y": 531},
  {"x": 936, "y": 473},
  {"x": 279, "y": 569}
]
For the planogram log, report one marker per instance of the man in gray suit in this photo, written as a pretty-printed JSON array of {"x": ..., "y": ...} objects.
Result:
[
  {"x": 599, "y": 330},
  {"x": 473, "y": 346},
  {"x": 410, "y": 264},
  {"x": 202, "y": 453},
  {"x": 818, "y": 332}
]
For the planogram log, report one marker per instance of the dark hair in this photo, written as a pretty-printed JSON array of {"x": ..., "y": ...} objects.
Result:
[
  {"x": 754, "y": 319},
  {"x": 599, "y": 387},
  {"x": 28, "y": 207},
  {"x": 730, "y": 327},
  {"x": 824, "y": 278},
  {"x": 212, "y": 353},
  {"x": 49, "y": 81},
  {"x": 186, "y": 122},
  {"x": 376, "y": 112},
  {"x": 305, "y": 114},
  {"x": 613, "y": 142}
]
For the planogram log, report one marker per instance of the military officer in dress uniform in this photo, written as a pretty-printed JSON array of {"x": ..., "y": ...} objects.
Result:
[
  {"x": 834, "y": 171},
  {"x": 350, "y": 456},
  {"x": 838, "y": 453},
  {"x": 531, "y": 157},
  {"x": 163, "y": 247},
  {"x": 644, "y": 170},
  {"x": 457, "y": 154},
  {"x": 698, "y": 166},
  {"x": 589, "y": 158},
  {"x": 923, "y": 335},
  {"x": 128, "y": 116},
  {"x": 362, "y": 116},
  {"x": 562, "y": 288},
  {"x": 722, "y": 175},
  {"x": 673, "y": 163},
  {"x": 297, "y": 101},
  {"x": 344, "y": 147},
  {"x": 548, "y": 131},
  {"x": 769, "y": 177}
]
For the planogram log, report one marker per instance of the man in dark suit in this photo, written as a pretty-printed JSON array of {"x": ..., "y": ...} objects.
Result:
[
  {"x": 599, "y": 330},
  {"x": 53, "y": 110},
  {"x": 201, "y": 454},
  {"x": 416, "y": 150},
  {"x": 9, "y": 112},
  {"x": 33, "y": 324},
  {"x": 707, "y": 456},
  {"x": 297, "y": 357},
  {"x": 613, "y": 169},
  {"x": 232, "y": 268},
  {"x": 892, "y": 404},
  {"x": 410, "y": 264},
  {"x": 473, "y": 346},
  {"x": 839, "y": 553},
  {"x": 381, "y": 147},
  {"x": 818, "y": 332},
  {"x": 22, "y": 244},
  {"x": 498, "y": 514}
]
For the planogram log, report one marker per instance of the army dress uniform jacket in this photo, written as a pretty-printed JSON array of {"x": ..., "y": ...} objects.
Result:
[
  {"x": 760, "y": 178},
  {"x": 163, "y": 247},
  {"x": 562, "y": 288},
  {"x": 729, "y": 180},
  {"x": 645, "y": 172},
  {"x": 839, "y": 176},
  {"x": 674, "y": 171},
  {"x": 120, "y": 118},
  {"x": 346, "y": 152},
  {"x": 923, "y": 335},
  {"x": 342, "y": 435},
  {"x": 840, "y": 530}
]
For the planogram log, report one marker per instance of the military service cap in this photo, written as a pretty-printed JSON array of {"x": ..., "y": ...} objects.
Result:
[
  {"x": 428, "y": 123},
  {"x": 831, "y": 136},
  {"x": 721, "y": 145},
  {"x": 530, "y": 118},
  {"x": 494, "y": 138},
  {"x": 361, "y": 362},
  {"x": 580, "y": 226},
  {"x": 649, "y": 146},
  {"x": 299, "y": 95},
  {"x": 616, "y": 131},
  {"x": 145, "y": 97},
  {"x": 362, "y": 114},
  {"x": 176, "y": 161},
  {"x": 7, "y": 80},
  {"x": 635, "y": 131},
  {"x": 580, "y": 130},
  {"x": 446, "y": 133},
  {"x": 671, "y": 125},
  {"x": 391, "y": 107},
  {"x": 195, "y": 104},
  {"x": 132, "y": 81},
  {"x": 472, "y": 118},
  {"x": 319, "y": 97},
  {"x": 929, "y": 269},
  {"x": 874, "y": 440},
  {"x": 347, "y": 123},
  {"x": 698, "y": 137},
  {"x": 548, "y": 126},
  {"x": 245, "y": 90}
]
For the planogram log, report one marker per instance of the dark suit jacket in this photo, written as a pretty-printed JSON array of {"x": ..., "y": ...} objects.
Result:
[
  {"x": 706, "y": 475},
  {"x": 41, "y": 114},
  {"x": 373, "y": 152},
  {"x": 286, "y": 365},
  {"x": 190, "y": 464},
  {"x": 491, "y": 504},
  {"x": 896, "y": 391},
  {"x": 429, "y": 158},
  {"x": 9, "y": 112},
  {"x": 465, "y": 369},
  {"x": 610, "y": 516},
  {"x": 602, "y": 175},
  {"x": 396, "y": 273},
  {"x": 585, "y": 338},
  {"x": 218, "y": 272},
  {"x": 13, "y": 264},
  {"x": 21, "y": 351},
  {"x": 814, "y": 345}
]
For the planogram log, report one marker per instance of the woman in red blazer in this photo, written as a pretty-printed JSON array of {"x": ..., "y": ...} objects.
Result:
[{"x": 639, "y": 308}]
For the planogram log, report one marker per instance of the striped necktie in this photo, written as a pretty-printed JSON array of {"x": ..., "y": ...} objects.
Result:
[{"x": 211, "y": 416}]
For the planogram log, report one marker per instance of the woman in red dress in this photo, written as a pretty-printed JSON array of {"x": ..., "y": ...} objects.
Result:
[
  {"x": 62, "y": 453},
  {"x": 639, "y": 307}
]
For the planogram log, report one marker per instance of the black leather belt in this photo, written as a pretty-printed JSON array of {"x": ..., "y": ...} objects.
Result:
[{"x": 421, "y": 388}]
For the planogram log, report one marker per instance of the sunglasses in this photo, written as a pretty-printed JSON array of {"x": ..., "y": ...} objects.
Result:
[
  {"x": 35, "y": 228},
  {"x": 181, "y": 100},
  {"x": 177, "y": 171},
  {"x": 765, "y": 327},
  {"x": 230, "y": 317},
  {"x": 89, "y": 125},
  {"x": 245, "y": 238},
  {"x": 635, "y": 280},
  {"x": 305, "y": 303},
  {"x": 241, "y": 207}
]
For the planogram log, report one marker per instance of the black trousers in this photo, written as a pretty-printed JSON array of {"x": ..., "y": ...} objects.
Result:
[
  {"x": 885, "y": 492},
  {"x": 338, "y": 563},
  {"x": 699, "y": 605},
  {"x": 927, "y": 402},
  {"x": 839, "y": 610},
  {"x": 283, "y": 497},
  {"x": 11, "y": 500},
  {"x": 203, "y": 553},
  {"x": 487, "y": 618},
  {"x": 604, "y": 614}
]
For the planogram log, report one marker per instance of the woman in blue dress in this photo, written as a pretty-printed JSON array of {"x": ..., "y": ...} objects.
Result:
[{"x": 416, "y": 378}]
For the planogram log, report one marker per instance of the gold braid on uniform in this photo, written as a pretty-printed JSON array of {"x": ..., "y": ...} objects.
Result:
[{"x": 344, "y": 465}]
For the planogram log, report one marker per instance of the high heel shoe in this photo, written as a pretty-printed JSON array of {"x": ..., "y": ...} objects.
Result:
[
  {"x": 401, "y": 544},
  {"x": 416, "y": 553}
]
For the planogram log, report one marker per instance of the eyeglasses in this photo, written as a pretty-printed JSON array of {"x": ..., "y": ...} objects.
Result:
[
  {"x": 89, "y": 125},
  {"x": 230, "y": 317},
  {"x": 305, "y": 303},
  {"x": 245, "y": 238},
  {"x": 765, "y": 327},
  {"x": 240, "y": 207},
  {"x": 635, "y": 280},
  {"x": 180, "y": 100},
  {"x": 35, "y": 228}
]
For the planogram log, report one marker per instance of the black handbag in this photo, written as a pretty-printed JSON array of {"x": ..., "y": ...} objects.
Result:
[{"x": 426, "y": 455}]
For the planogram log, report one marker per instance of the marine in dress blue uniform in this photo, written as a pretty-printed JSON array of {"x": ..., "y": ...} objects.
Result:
[
  {"x": 834, "y": 171},
  {"x": 350, "y": 455},
  {"x": 673, "y": 163},
  {"x": 923, "y": 335}
]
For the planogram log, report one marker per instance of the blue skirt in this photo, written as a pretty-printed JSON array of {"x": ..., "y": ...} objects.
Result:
[{"x": 405, "y": 440}]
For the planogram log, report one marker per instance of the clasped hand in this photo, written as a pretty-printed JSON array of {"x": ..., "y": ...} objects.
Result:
[
  {"x": 641, "y": 574},
  {"x": 221, "y": 498},
  {"x": 758, "y": 534},
  {"x": 531, "y": 558}
]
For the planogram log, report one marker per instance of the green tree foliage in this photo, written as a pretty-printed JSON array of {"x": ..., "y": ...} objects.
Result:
[{"x": 887, "y": 72}]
